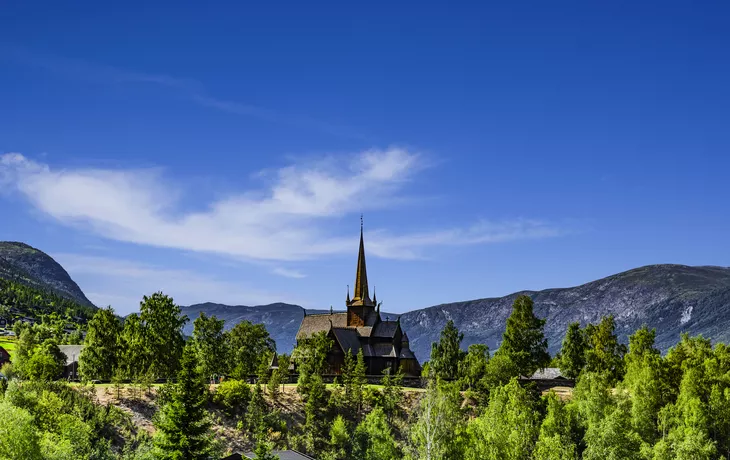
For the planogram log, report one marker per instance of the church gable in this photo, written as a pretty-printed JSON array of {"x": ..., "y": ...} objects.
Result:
[{"x": 311, "y": 324}]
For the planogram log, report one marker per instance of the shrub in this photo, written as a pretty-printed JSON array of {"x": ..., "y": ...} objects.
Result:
[{"x": 233, "y": 396}]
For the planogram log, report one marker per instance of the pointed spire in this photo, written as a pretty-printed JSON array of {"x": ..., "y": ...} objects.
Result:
[
  {"x": 361, "y": 280},
  {"x": 348, "y": 293},
  {"x": 375, "y": 298}
]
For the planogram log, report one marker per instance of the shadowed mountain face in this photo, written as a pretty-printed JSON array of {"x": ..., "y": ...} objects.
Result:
[
  {"x": 670, "y": 298},
  {"x": 32, "y": 267}
]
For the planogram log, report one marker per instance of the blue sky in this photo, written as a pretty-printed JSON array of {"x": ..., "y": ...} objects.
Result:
[{"x": 224, "y": 152}]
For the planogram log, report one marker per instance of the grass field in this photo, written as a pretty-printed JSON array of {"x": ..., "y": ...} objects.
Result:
[{"x": 8, "y": 344}]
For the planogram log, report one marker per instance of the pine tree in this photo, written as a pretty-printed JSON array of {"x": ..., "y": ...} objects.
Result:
[
  {"x": 573, "y": 352},
  {"x": 183, "y": 428},
  {"x": 605, "y": 353},
  {"x": 523, "y": 339}
]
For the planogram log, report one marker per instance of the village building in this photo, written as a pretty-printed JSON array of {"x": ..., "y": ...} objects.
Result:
[
  {"x": 384, "y": 344},
  {"x": 4, "y": 356},
  {"x": 71, "y": 366}
]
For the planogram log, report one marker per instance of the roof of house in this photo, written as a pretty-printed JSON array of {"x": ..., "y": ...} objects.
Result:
[
  {"x": 406, "y": 353},
  {"x": 72, "y": 352},
  {"x": 311, "y": 324},
  {"x": 549, "y": 373},
  {"x": 384, "y": 350},
  {"x": 385, "y": 329},
  {"x": 347, "y": 339},
  {"x": 283, "y": 455}
]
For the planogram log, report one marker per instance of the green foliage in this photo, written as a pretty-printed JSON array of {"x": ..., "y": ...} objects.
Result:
[
  {"x": 263, "y": 451},
  {"x": 392, "y": 394},
  {"x": 439, "y": 430},
  {"x": 210, "y": 345},
  {"x": 37, "y": 303},
  {"x": 555, "y": 441},
  {"x": 163, "y": 339},
  {"x": 135, "y": 358},
  {"x": 605, "y": 354},
  {"x": 523, "y": 339},
  {"x": 499, "y": 370},
  {"x": 373, "y": 438},
  {"x": 233, "y": 396},
  {"x": 340, "y": 445},
  {"x": 183, "y": 428},
  {"x": 474, "y": 366},
  {"x": 19, "y": 438},
  {"x": 573, "y": 352},
  {"x": 100, "y": 355},
  {"x": 509, "y": 426},
  {"x": 446, "y": 354},
  {"x": 310, "y": 357},
  {"x": 248, "y": 345},
  {"x": 45, "y": 362}
]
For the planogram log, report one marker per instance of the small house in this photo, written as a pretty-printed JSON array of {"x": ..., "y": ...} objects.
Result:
[
  {"x": 71, "y": 367},
  {"x": 4, "y": 356}
]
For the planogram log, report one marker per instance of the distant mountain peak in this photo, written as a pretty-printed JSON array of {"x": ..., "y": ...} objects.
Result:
[{"x": 22, "y": 263}]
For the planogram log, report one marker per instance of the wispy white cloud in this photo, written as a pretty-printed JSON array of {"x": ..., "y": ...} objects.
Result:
[
  {"x": 288, "y": 273},
  {"x": 122, "y": 283},
  {"x": 288, "y": 219},
  {"x": 191, "y": 89}
]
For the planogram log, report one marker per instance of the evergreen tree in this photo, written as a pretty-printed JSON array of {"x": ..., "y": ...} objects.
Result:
[
  {"x": 210, "y": 345},
  {"x": 392, "y": 392},
  {"x": 573, "y": 352},
  {"x": 263, "y": 451},
  {"x": 255, "y": 414},
  {"x": 340, "y": 446},
  {"x": 446, "y": 354},
  {"x": 99, "y": 357},
  {"x": 183, "y": 428},
  {"x": 523, "y": 339},
  {"x": 163, "y": 321}
]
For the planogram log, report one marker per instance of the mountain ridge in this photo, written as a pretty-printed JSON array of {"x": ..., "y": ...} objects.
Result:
[{"x": 24, "y": 264}]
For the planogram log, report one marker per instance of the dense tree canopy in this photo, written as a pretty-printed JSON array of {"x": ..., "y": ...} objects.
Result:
[{"x": 523, "y": 340}]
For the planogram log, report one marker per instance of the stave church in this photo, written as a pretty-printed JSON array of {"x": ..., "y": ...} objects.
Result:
[{"x": 384, "y": 344}]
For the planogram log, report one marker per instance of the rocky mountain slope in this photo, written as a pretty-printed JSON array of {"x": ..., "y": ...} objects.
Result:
[
  {"x": 670, "y": 298},
  {"x": 32, "y": 267}
]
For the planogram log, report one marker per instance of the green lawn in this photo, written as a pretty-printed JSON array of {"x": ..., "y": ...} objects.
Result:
[{"x": 8, "y": 344}]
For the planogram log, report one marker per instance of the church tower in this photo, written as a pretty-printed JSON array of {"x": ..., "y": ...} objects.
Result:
[{"x": 360, "y": 306}]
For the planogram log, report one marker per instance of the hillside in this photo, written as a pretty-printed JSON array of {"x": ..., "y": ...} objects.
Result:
[
  {"x": 34, "y": 268},
  {"x": 671, "y": 298}
]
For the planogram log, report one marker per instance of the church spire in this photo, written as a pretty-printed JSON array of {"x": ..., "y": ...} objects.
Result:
[{"x": 361, "y": 279}]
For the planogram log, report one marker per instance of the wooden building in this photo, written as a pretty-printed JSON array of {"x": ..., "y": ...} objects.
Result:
[
  {"x": 4, "y": 356},
  {"x": 384, "y": 344}
]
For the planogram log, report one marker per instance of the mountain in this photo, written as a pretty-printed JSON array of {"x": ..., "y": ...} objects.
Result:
[
  {"x": 281, "y": 320},
  {"x": 671, "y": 298},
  {"x": 34, "y": 268}
]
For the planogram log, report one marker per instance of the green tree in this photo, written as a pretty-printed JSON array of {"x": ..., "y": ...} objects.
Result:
[
  {"x": 210, "y": 345},
  {"x": 46, "y": 362},
  {"x": 99, "y": 357},
  {"x": 263, "y": 451},
  {"x": 135, "y": 358},
  {"x": 163, "y": 321},
  {"x": 446, "y": 354},
  {"x": 523, "y": 339},
  {"x": 613, "y": 438},
  {"x": 605, "y": 353},
  {"x": 573, "y": 352},
  {"x": 340, "y": 445},
  {"x": 183, "y": 428},
  {"x": 500, "y": 369},
  {"x": 248, "y": 344},
  {"x": 310, "y": 357},
  {"x": 474, "y": 366},
  {"x": 555, "y": 441},
  {"x": 509, "y": 426},
  {"x": 439, "y": 430},
  {"x": 392, "y": 391},
  {"x": 23, "y": 350},
  {"x": 255, "y": 414},
  {"x": 18, "y": 435},
  {"x": 373, "y": 438}
]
